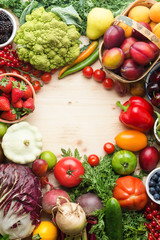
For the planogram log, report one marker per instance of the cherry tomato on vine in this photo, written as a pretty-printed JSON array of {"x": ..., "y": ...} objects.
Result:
[
  {"x": 109, "y": 147},
  {"x": 88, "y": 72},
  {"x": 36, "y": 85},
  {"x": 2, "y": 70},
  {"x": 46, "y": 77},
  {"x": 15, "y": 71},
  {"x": 26, "y": 67},
  {"x": 36, "y": 73},
  {"x": 99, "y": 75},
  {"x": 93, "y": 160},
  {"x": 27, "y": 76},
  {"x": 53, "y": 70},
  {"x": 108, "y": 83}
]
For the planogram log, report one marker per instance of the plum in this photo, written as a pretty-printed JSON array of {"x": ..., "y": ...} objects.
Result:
[
  {"x": 114, "y": 37},
  {"x": 141, "y": 52},
  {"x": 127, "y": 43},
  {"x": 155, "y": 50},
  {"x": 138, "y": 35},
  {"x": 113, "y": 58},
  {"x": 149, "y": 158},
  {"x": 131, "y": 70}
]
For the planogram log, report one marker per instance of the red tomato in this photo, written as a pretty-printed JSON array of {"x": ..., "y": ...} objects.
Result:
[
  {"x": 15, "y": 71},
  {"x": 68, "y": 171},
  {"x": 53, "y": 70},
  {"x": 108, "y": 83},
  {"x": 99, "y": 75},
  {"x": 36, "y": 73},
  {"x": 2, "y": 70},
  {"x": 26, "y": 67},
  {"x": 27, "y": 76},
  {"x": 46, "y": 77},
  {"x": 93, "y": 160},
  {"x": 109, "y": 148},
  {"x": 88, "y": 72},
  {"x": 130, "y": 193},
  {"x": 36, "y": 85}
]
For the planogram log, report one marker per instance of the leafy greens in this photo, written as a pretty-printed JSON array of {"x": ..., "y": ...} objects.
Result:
[
  {"x": 101, "y": 180},
  {"x": 82, "y": 7}
]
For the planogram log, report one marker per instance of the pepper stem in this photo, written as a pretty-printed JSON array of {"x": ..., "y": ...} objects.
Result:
[
  {"x": 26, "y": 142},
  {"x": 124, "y": 108}
]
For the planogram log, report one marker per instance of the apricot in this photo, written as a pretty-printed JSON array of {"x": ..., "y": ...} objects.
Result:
[
  {"x": 154, "y": 12},
  {"x": 113, "y": 58},
  {"x": 139, "y": 14},
  {"x": 127, "y": 29},
  {"x": 156, "y": 30}
]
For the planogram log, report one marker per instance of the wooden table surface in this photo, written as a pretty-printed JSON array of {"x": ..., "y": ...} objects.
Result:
[{"x": 76, "y": 112}]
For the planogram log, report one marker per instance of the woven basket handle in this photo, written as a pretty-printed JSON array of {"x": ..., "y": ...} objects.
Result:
[{"x": 138, "y": 27}]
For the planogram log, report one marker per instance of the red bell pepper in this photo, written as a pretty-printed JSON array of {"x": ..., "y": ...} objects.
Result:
[{"x": 137, "y": 114}]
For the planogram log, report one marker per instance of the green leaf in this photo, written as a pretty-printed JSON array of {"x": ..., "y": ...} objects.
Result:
[
  {"x": 4, "y": 237},
  {"x": 28, "y": 10},
  {"x": 68, "y": 15}
]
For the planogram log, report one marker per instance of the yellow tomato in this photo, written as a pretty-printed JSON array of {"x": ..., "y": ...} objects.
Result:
[
  {"x": 45, "y": 231},
  {"x": 131, "y": 140}
]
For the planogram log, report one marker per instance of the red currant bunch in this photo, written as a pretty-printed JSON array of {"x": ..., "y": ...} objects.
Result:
[
  {"x": 9, "y": 57},
  {"x": 152, "y": 214}
]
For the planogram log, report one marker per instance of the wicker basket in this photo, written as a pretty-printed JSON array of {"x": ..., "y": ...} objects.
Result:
[{"x": 139, "y": 28}]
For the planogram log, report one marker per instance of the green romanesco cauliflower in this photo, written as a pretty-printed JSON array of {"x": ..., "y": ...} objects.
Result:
[{"x": 47, "y": 42}]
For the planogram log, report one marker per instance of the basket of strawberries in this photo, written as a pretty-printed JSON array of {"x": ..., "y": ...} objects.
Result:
[{"x": 17, "y": 98}]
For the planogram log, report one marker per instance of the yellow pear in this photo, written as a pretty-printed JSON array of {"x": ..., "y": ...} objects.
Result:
[{"x": 98, "y": 21}]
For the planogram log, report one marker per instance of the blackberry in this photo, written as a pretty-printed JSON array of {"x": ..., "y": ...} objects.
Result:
[
  {"x": 3, "y": 27},
  {"x": 3, "y": 16},
  {"x": 9, "y": 26},
  {"x": 3, "y": 38}
]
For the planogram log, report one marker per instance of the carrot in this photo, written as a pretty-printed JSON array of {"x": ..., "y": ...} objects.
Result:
[{"x": 81, "y": 57}]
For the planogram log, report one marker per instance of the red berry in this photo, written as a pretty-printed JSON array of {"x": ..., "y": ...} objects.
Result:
[
  {"x": 156, "y": 234},
  {"x": 9, "y": 46},
  {"x": 149, "y": 216},
  {"x": 154, "y": 223},
  {"x": 154, "y": 212}
]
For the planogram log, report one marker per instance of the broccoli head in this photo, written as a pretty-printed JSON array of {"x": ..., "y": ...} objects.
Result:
[{"x": 46, "y": 41}]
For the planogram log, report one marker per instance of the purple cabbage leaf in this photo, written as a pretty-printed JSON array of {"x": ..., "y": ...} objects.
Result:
[{"x": 20, "y": 200}]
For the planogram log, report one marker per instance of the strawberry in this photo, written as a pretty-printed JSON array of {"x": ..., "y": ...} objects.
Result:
[
  {"x": 18, "y": 104},
  {"x": 9, "y": 115},
  {"x": 5, "y": 84},
  {"x": 27, "y": 92},
  {"x": 28, "y": 106},
  {"x": 16, "y": 94},
  {"x": 4, "y": 104},
  {"x": 7, "y": 95}
]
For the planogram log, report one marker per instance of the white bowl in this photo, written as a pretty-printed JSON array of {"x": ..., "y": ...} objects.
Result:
[
  {"x": 13, "y": 21},
  {"x": 147, "y": 184},
  {"x": 155, "y": 131}
]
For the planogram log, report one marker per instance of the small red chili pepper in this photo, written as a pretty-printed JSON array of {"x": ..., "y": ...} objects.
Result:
[{"x": 137, "y": 114}]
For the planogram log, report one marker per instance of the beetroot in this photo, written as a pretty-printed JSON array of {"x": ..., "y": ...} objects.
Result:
[{"x": 50, "y": 198}]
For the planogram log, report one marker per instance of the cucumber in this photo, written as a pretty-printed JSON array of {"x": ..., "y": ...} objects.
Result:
[{"x": 113, "y": 220}]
